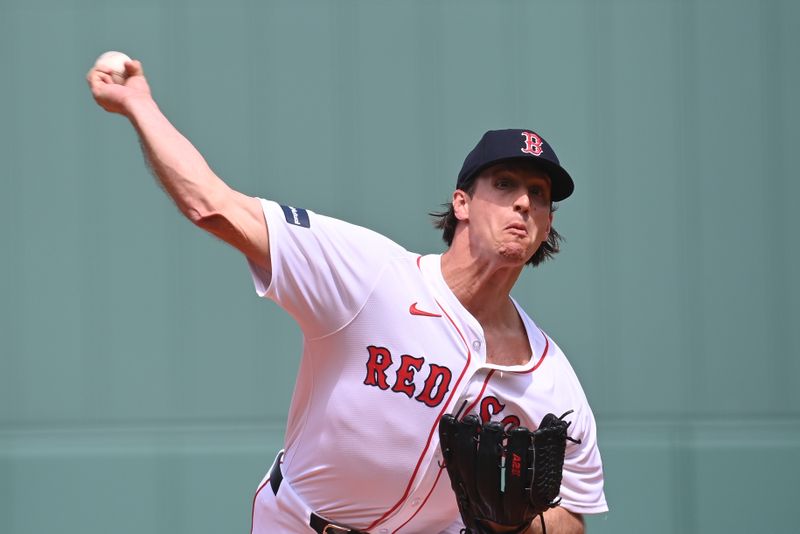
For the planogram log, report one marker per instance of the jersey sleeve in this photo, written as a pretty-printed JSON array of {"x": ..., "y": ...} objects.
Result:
[
  {"x": 322, "y": 269},
  {"x": 582, "y": 481}
]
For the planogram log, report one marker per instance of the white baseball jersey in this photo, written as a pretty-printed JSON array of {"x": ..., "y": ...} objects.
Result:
[{"x": 388, "y": 349}]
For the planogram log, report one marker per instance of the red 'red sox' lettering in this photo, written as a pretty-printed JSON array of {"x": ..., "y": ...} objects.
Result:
[
  {"x": 379, "y": 360},
  {"x": 492, "y": 406},
  {"x": 433, "y": 382},
  {"x": 405, "y": 374},
  {"x": 434, "y": 388}
]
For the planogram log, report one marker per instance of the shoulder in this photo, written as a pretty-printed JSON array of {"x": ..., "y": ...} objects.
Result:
[{"x": 306, "y": 223}]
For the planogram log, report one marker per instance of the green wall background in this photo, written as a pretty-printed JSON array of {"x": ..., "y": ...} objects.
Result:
[{"x": 143, "y": 385}]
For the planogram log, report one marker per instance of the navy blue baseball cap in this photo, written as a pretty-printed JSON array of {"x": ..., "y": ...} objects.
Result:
[{"x": 497, "y": 146}]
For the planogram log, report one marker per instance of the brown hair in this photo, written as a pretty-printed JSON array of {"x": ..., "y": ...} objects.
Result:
[{"x": 446, "y": 221}]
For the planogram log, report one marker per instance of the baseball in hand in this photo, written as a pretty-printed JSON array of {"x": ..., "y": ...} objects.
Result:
[{"x": 115, "y": 62}]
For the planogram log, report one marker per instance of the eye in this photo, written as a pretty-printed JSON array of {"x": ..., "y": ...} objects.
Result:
[
  {"x": 503, "y": 183},
  {"x": 537, "y": 191}
]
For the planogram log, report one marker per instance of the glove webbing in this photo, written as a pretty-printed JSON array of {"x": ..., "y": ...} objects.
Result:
[{"x": 542, "y": 459}]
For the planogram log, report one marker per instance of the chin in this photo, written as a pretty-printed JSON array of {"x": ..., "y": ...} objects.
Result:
[{"x": 515, "y": 253}]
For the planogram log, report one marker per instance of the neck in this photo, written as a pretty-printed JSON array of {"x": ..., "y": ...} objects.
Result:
[{"x": 482, "y": 286}]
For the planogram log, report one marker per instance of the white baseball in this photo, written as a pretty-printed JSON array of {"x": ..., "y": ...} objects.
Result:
[{"x": 115, "y": 62}]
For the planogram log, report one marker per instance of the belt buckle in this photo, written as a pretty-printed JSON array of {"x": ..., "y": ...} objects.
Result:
[{"x": 334, "y": 529}]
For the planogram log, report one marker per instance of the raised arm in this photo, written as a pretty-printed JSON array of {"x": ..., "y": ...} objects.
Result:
[{"x": 200, "y": 194}]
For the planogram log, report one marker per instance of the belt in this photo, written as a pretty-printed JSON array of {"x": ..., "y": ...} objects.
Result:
[{"x": 315, "y": 521}]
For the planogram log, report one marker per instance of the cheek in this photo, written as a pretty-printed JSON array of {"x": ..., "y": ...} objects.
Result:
[
  {"x": 543, "y": 229},
  {"x": 549, "y": 220},
  {"x": 543, "y": 220}
]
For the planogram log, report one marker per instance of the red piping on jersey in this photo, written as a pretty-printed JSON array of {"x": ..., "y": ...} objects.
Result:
[
  {"x": 541, "y": 358},
  {"x": 491, "y": 373},
  {"x": 395, "y": 531},
  {"x": 386, "y": 514},
  {"x": 480, "y": 395},
  {"x": 255, "y": 497}
]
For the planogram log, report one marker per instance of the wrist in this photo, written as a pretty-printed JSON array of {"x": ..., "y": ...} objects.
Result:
[{"x": 137, "y": 104}]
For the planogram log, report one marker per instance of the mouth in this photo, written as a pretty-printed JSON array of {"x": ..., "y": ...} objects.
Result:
[{"x": 517, "y": 229}]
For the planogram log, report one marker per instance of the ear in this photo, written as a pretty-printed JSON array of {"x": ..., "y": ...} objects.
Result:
[
  {"x": 461, "y": 205},
  {"x": 549, "y": 224}
]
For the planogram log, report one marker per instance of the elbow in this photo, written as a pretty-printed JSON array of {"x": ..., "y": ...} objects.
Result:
[
  {"x": 214, "y": 219},
  {"x": 197, "y": 216},
  {"x": 208, "y": 220},
  {"x": 206, "y": 210}
]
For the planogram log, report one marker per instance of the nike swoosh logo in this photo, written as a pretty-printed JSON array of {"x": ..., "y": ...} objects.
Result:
[{"x": 413, "y": 310}]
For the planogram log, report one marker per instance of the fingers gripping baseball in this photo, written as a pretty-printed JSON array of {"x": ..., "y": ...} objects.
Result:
[{"x": 113, "y": 87}]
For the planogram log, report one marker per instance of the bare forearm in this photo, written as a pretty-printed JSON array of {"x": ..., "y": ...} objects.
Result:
[
  {"x": 559, "y": 521},
  {"x": 182, "y": 171},
  {"x": 176, "y": 163}
]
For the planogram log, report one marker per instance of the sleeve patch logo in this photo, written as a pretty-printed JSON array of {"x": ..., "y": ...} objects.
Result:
[{"x": 296, "y": 216}]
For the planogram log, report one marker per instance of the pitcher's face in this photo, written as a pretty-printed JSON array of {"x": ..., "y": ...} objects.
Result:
[{"x": 509, "y": 213}]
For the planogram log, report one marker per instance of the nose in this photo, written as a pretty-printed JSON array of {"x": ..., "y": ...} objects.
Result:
[{"x": 522, "y": 203}]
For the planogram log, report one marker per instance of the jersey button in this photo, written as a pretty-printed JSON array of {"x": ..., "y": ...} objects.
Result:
[
  {"x": 476, "y": 345},
  {"x": 415, "y": 502},
  {"x": 384, "y": 531}
]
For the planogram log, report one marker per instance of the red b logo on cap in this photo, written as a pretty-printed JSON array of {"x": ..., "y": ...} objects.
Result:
[{"x": 533, "y": 143}]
